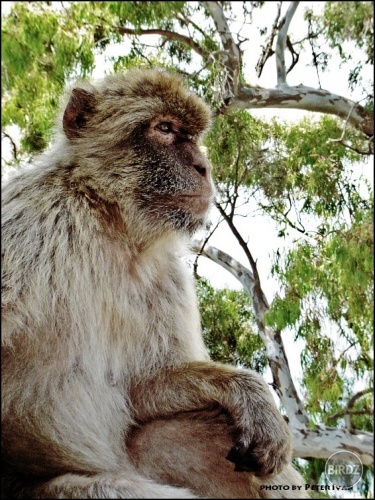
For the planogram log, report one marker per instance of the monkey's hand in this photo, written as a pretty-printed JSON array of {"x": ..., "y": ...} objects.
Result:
[{"x": 262, "y": 438}]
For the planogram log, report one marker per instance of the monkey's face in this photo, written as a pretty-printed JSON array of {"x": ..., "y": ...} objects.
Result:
[
  {"x": 175, "y": 187},
  {"x": 137, "y": 137}
]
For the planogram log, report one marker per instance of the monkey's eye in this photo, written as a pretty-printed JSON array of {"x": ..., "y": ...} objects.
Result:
[
  {"x": 165, "y": 127},
  {"x": 189, "y": 137}
]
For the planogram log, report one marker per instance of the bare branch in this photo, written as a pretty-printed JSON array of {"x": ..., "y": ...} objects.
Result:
[
  {"x": 306, "y": 98},
  {"x": 341, "y": 141},
  {"x": 140, "y": 53},
  {"x": 202, "y": 245},
  {"x": 345, "y": 123},
  {"x": 282, "y": 379},
  {"x": 187, "y": 22},
  {"x": 283, "y": 96},
  {"x": 315, "y": 57},
  {"x": 283, "y": 216},
  {"x": 240, "y": 272},
  {"x": 369, "y": 152},
  {"x": 267, "y": 50},
  {"x": 14, "y": 147},
  {"x": 170, "y": 35},
  {"x": 227, "y": 40},
  {"x": 281, "y": 43},
  {"x": 294, "y": 54},
  {"x": 366, "y": 411},
  {"x": 323, "y": 442},
  {"x": 358, "y": 395},
  {"x": 242, "y": 244},
  {"x": 221, "y": 24},
  {"x": 348, "y": 411}
]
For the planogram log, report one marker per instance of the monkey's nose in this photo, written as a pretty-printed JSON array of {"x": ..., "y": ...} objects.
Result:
[
  {"x": 201, "y": 169},
  {"x": 202, "y": 166}
]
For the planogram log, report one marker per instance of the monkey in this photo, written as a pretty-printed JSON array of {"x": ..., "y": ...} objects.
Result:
[{"x": 108, "y": 390}]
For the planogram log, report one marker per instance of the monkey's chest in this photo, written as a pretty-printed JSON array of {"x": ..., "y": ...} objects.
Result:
[{"x": 156, "y": 326}]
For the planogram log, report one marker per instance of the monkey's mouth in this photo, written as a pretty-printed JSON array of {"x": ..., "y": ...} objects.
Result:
[
  {"x": 192, "y": 197},
  {"x": 197, "y": 204}
]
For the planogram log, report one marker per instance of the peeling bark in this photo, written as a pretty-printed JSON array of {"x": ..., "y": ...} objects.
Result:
[
  {"x": 323, "y": 442},
  {"x": 234, "y": 55},
  {"x": 305, "y": 98}
]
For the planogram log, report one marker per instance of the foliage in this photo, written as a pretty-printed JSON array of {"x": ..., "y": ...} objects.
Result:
[
  {"x": 313, "y": 469},
  {"x": 45, "y": 45},
  {"x": 228, "y": 327},
  {"x": 328, "y": 293},
  {"x": 301, "y": 178},
  {"x": 350, "y": 21},
  {"x": 235, "y": 147},
  {"x": 41, "y": 50},
  {"x": 344, "y": 22}
]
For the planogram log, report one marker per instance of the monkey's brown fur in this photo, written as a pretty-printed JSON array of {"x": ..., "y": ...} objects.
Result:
[{"x": 107, "y": 388}]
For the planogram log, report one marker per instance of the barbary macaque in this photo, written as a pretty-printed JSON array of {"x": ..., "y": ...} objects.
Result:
[{"x": 107, "y": 388}]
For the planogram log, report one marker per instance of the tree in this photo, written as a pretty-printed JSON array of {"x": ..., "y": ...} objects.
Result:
[
  {"x": 228, "y": 327},
  {"x": 301, "y": 175}
]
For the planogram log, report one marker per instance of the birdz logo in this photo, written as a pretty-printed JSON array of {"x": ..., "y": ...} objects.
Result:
[{"x": 344, "y": 469}]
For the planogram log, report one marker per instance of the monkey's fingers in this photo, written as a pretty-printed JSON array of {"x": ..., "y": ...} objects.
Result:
[
  {"x": 244, "y": 460},
  {"x": 262, "y": 459}
]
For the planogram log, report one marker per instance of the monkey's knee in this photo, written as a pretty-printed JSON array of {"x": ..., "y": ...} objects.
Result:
[{"x": 189, "y": 450}]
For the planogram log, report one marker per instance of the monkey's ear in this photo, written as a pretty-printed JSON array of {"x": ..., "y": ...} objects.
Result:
[{"x": 80, "y": 106}]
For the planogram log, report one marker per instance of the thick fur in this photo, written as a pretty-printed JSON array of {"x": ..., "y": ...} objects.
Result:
[{"x": 106, "y": 382}]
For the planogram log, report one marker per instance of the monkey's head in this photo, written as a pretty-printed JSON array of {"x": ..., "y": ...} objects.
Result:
[{"x": 135, "y": 138}]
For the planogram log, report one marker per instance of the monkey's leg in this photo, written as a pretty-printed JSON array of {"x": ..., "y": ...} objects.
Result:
[
  {"x": 105, "y": 485},
  {"x": 189, "y": 451},
  {"x": 262, "y": 443}
]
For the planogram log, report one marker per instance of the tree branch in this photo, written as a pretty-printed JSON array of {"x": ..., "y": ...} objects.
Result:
[
  {"x": 281, "y": 43},
  {"x": 341, "y": 138},
  {"x": 282, "y": 380},
  {"x": 366, "y": 411},
  {"x": 234, "y": 55},
  {"x": 267, "y": 50},
  {"x": 241, "y": 242},
  {"x": 293, "y": 53},
  {"x": 358, "y": 395},
  {"x": 316, "y": 443},
  {"x": 170, "y": 35},
  {"x": 14, "y": 147},
  {"x": 349, "y": 411},
  {"x": 202, "y": 245},
  {"x": 323, "y": 442},
  {"x": 305, "y": 98},
  {"x": 283, "y": 96}
]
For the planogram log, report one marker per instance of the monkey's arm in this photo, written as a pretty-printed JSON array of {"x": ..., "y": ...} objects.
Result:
[{"x": 262, "y": 438}]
